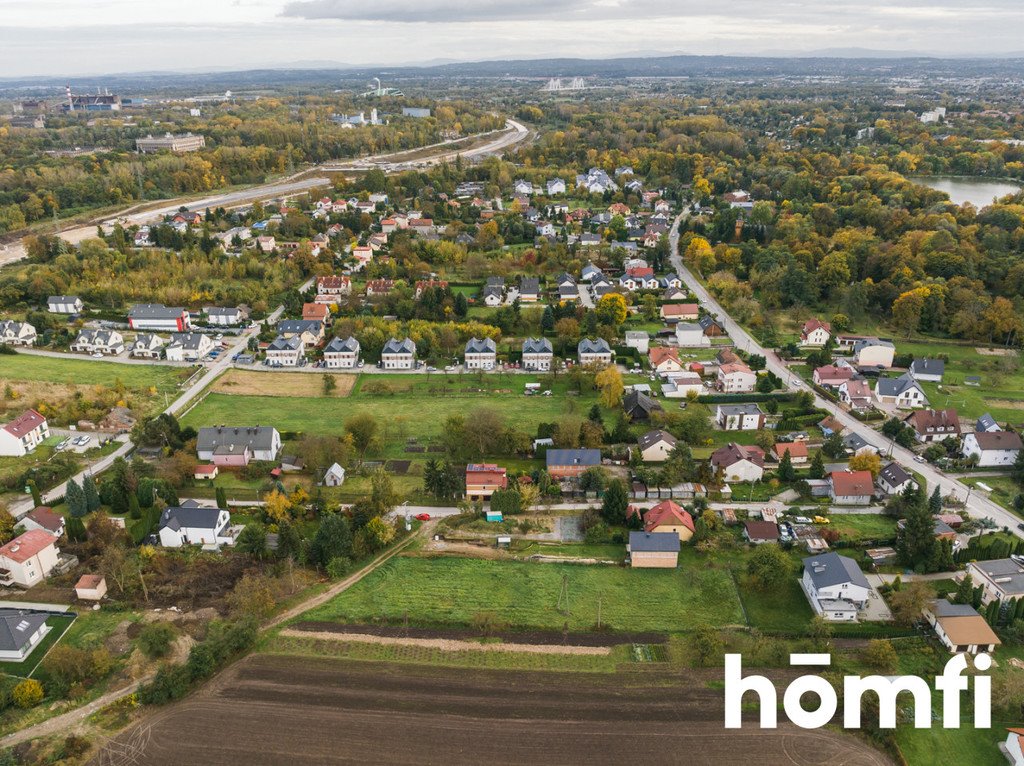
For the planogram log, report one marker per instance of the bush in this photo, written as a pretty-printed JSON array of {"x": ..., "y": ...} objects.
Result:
[
  {"x": 171, "y": 683},
  {"x": 156, "y": 638},
  {"x": 338, "y": 567},
  {"x": 28, "y": 693}
]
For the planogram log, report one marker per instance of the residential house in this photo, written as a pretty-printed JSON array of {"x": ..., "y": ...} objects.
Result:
[
  {"x": 986, "y": 423},
  {"x": 29, "y": 558},
  {"x": 482, "y": 479},
  {"x": 333, "y": 285},
  {"x": 310, "y": 331},
  {"x": 691, "y": 335},
  {"x": 266, "y": 243},
  {"x": 639, "y": 406},
  {"x": 992, "y": 448},
  {"x": 904, "y": 392},
  {"x": 739, "y": 199},
  {"x": 679, "y": 312},
  {"x": 664, "y": 359},
  {"x": 736, "y": 378},
  {"x": 286, "y": 352},
  {"x": 856, "y": 394},
  {"x": 653, "y": 550},
  {"x": 21, "y": 631},
  {"x": 319, "y": 312},
  {"x": 590, "y": 272},
  {"x": 739, "y": 417},
  {"x": 673, "y": 294},
  {"x": 537, "y": 354},
  {"x": 101, "y": 341},
  {"x": 712, "y": 327},
  {"x": 656, "y": 446},
  {"x": 64, "y": 304},
  {"x": 638, "y": 339},
  {"x": 831, "y": 376},
  {"x": 960, "y": 628},
  {"x": 529, "y": 290},
  {"x": 398, "y": 354},
  {"x": 45, "y": 519},
  {"x": 377, "y": 287},
  {"x": 934, "y": 425},
  {"x": 555, "y": 186},
  {"x": 226, "y": 316},
  {"x": 189, "y": 347},
  {"x": 16, "y": 333},
  {"x": 429, "y": 284},
  {"x": 815, "y": 333},
  {"x": 835, "y": 586},
  {"x": 148, "y": 346},
  {"x": 494, "y": 295},
  {"x": 341, "y": 353},
  {"x": 855, "y": 444},
  {"x": 872, "y": 352},
  {"x": 22, "y": 435},
  {"x": 206, "y": 472},
  {"x": 738, "y": 462},
  {"x": 569, "y": 463},
  {"x": 851, "y": 487},
  {"x": 594, "y": 351},
  {"x": 1000, "y": 579},
  {"x": 195, "y": 525},
  {"x": 928, "y": 369},
  {"x": 156, "y": 316},
  {"x": 481, "y": 354},
  {"x": 760, "y": 532},
  {"x": 894, "y": 479},
  {"x": 798, "y": 453},
  {"x": 666, "y": 516},
  {"x": 262, "y": 443},
  {"x": 679, "y": 385}
]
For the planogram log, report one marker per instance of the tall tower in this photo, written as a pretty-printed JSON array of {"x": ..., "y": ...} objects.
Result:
[{"x": 71, "y": 101}]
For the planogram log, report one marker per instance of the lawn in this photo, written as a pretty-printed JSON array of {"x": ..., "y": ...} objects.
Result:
[
  {"x": 977, "y": 747},
  {"x": 453, "y": 591},
  {"x": 1004, "y": 489},
  {"x": 78, "y": 371},
  {"x": 858, "y": 528},
  {"x": 784, "y": 608}
]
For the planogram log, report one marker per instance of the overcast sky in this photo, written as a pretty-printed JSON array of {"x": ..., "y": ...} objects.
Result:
[{"x": 65, "y": 37}]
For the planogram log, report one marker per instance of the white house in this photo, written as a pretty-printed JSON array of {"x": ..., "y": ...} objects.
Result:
[
  {"x": 20, "y": 633},
  {"x": 872, "y": 352},
  {"x": 398, "y": 354},
  {"x": 556, "y": 186},
  {"x": 194, "y": 525},
  {"x": 481, "y": 354},
  {"x": 28, "y": 558},
  {"x": 188, "y": 347},
  {"x": 835, "y": 586},
  {"x": 851, "y": 487},
  {"x": 736, "y": 378},
  {"x": 893, "y": 479},
  {"x": 148, "y": 346},
  {"x": 992, "y": 448},
  {"x": 691, "y": 335},
  {"x": 928, "y": 369},
  {"x": 639, "y": 340},
  {"x": 286, "y": 352},
  {"x": 904, "y": 392},
  {"x": 102, "y": 341},
  {"x": 656, "y": 446},
  {"x": 537, "y": 354},
  {"x": 23, "y": 434},
  {"x": 16, "y": 333},
  {"x": 679, "y": 385},
  {"x": 261, "y": 442},
  {"x": 960, "y": 628},
  {"x": 333, "y": 476},
  {"x": 341, "y": 353},
  {"x": 594, "y": 351},
  {"x": 1000, "y": 579},
  {"x": 738, "y": 462},
  {"x": 223, "y": 316},
  {"x": 815, "y": 333},
  {"x": 64, "y": 304}
]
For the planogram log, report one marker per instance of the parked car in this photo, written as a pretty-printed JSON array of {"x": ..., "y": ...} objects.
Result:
[
  {"x": 97, "y": 355},
  {"x": 422, "y": 517}
]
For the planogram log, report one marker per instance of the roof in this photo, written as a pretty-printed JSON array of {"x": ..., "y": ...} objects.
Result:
[
  {"x": 340, "y": 345},
  {"x": 584, "y": 457},
  {"x": 761, "y": 530},
  {"x": 17, "y": 626},
  {"x": 739, "y": 409},
  {"x": 255, "y": 438},
  {"x": 26, "y": 545},
  {"x": 192, "y": 517},
  {"x": 89, "y": 581},
  {"x": 659, "y": 354},
  {"x": 189, "y": 340},
  {"x": 679, "y": 309},
  {"x": 830, "y": 569},
  {"x": 46, "y": 518},
  {"x": 653, "y": 542},
  {"x": 281, "y": 343},
  {"x": 963, "y": 625},
  {"x": 637, "y": 400},
  {"x": 395, "y": 346},
  {"x": 1008, "y": 574},
  {"x": 896, "y": 386},
  {"x": 595, "y": 346},
  {"x": 928, "y": 367},
  {"x": 653, "y": 437},
  {"x": 998, "y": 440},
  {"x": 832, "y": 371},
  {"x": 203, "y": 470},
  {"x": 155, "y": 311},
  {"x": 852, "y": 483},
  {"x": 480, "y": 346},
  {"x": 894, "y": 474},
  {"x": 733, "y": 367},
  {"x": 922, "y": 420},
  {"x": 25, "y": 423},
  {"x": 813, "y": 324},
  {"x": 297, "y": 326},
  {"x": 795, "y": 449},
  {"x": 536, "y": 346},
  {"x": 667, "y": 513},
  {"x": 733, "y": 453},
  {"x": 986, "y": 423},
  {"x": 529, "y": 285},
  {"x": 222, "y": 311},
  {"x": 63, "y": 299}
]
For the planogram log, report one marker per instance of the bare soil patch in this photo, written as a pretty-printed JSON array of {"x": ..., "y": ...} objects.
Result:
[
  {"x": 1007, "y": 404},
  {"x": 448, "y": 644},
  {"x": 302, "y": 384},
  {"x": 996, "y": 351},
  {"x": 272, "y": 710}
]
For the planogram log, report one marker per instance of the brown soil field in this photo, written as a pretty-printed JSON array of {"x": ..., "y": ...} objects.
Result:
[
  {"x": 448, "y": 644},
  {"x": 246, "y": 383},
  {"x": 269, "y": 710},
  {"x": 541, "y": 637}
]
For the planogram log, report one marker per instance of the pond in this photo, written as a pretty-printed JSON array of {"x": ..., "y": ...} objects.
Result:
[{"x": 978, "y": 191}]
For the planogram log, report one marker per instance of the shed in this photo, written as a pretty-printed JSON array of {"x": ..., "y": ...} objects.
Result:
[
  {"x": 494, "y": 516},
  {"x": 91, "y": 587}
]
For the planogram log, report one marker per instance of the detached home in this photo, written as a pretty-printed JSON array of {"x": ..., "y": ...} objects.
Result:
[
  {"x": 679, "y": 312},
  {"x": 851, "y": 487},
  {"x": 815, "y": 333},
  {"x": 594, "y": 351},
  {"x": 223, "y": 316},
  {"x": 189, "y": 347},
  {"x": 286, "y": 352},
  {"x": 16, "y": 333},
  {"x": 261, "y": 443},
  {"x": 29, "y": 558},
  {"x": 568, "y": 463},
  {"x": 739, "y": 417},
  {"x": 664, "y": 359},
  {"x": 736, "y": 378},
  {"x": 835, "y": 586},
  {"x": 64, "y": 304},
  {"x": 666, "y": 516},
  {"x": 738, "y": 462},
  {"x": 1000, "y": 579},
  {"x": 398, "y": 354},
  {"x": 23, "y": 434},
  {"x": 195, "y": 525},
  {"x": 653, "y": 550},
  {"x": 482, "y": 479},
  {"x": 904, "y": 392},
  {"x": 481, "y": 354},
  {"x": 537, "y": 354},
  {"x": 341, "y": 353},
  {"x": 656, "y": 446},
  {"x": 928, "y": 369},
  {"x": 893, "y": 479},
  {"x": 992, "y": 448},
  {"x": 934, "y": 425}
]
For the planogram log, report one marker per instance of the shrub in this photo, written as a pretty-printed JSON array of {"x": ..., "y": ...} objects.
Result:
[
  {"x": 28, "y": 693},
  {"x": 156, "y": 638},
  {"x": 171, "y": 683}
]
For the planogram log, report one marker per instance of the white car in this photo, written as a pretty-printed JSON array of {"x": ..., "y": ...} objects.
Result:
[
  {"x": 919, "y": 459},
  {"x": 97, "y": 355},
  {"x": 449, "y": 368}
]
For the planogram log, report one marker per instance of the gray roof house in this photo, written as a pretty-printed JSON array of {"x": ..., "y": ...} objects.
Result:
[
  {"x": 537, "y": 346},
  {"x": 593, "y": 350},
  {"x": 264, "y": 442},
  {"x": 829, "y": 569},
  {"x": 194, "y": 525},
  {"x": 986, "y": 423},
  {"x": 347, "y": 345},
  {"x": 928, "y": 369},
  {"x": 20, "y": 632},
  {"x": 654, "y": 542},
  {"x": 395, "y": 346},
  {"x": 903, "y": 391},
  {"x": 893, "y": 479}
]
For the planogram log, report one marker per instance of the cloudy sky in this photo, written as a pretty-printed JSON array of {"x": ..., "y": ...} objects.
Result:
[{"x": 62, "y": 37}]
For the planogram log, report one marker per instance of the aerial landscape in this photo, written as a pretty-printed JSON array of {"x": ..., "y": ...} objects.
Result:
[{"x": 462, "y": 402}]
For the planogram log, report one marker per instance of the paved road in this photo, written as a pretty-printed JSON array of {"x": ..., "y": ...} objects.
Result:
[{"x": 977, "y": 505}]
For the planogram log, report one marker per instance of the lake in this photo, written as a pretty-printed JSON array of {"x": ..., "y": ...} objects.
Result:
[{"x": 978, "y": 191}]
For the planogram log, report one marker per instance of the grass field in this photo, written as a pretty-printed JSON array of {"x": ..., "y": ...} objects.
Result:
[
  {"x": 856, "y": 528},
  {"x": 453, "y": 591},
  {"x": 250, "y": 383},
  {"x": 977, "y": 747},
  {"x": 1004, "y": 489},
  {"x": 78, "y": 371},
  {"x": 784, "y": 608}
]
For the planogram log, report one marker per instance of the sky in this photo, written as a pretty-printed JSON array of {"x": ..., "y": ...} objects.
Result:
[{"x": 84, "y": 37}]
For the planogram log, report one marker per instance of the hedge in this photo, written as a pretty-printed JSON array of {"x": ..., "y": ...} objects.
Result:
[{"x": 788, "y": 396}]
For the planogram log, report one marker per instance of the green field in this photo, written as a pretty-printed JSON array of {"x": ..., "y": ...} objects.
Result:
[
  {"x": 78, "y": 371},
  {"x": 452, "y": 591},
  {"x": 856, "y": 528},
  {"x": 977, "y": 747},
  {"x": 1004, "y": 489}
]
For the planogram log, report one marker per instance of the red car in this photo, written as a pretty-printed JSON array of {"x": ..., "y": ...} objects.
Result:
[{"x": 422, "y": 517}]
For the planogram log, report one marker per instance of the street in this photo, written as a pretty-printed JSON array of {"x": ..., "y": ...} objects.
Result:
[{"x": 977, "y": 504}]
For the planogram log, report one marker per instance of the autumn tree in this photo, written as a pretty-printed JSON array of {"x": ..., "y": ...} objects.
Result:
[
  {"x": 867, "y": 461},
  {"x": 609, "y": 383}
]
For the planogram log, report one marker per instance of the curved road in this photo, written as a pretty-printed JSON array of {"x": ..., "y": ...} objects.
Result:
[{"x": 977, "y": 504}]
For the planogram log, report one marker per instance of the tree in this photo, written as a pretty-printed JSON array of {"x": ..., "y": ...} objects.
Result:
[
  {"x": 252, "y": 540},
  {"x": 378, "y": 533},
  {"x": 609, "y": 383},
  {"x": 881, "y": 655},
  {"x": 833, "y": 446},
  {"x": 615, "y": 503},
  {"x": 37, "y": 497},
  {"x": 155, "y": 639},
  {"x": 383, "y": 497},
  {"x": 75, "y": 498},
  {"x": 333, "y": 539},
  {"x": 612, "y": 309},
  {"x": 222, "y": 498},
  {"x": 820, "y": 632},
  {"x": 277, "y": 507},
  {"x": 707, "y": 643},
  {"x": 329, "y": 384},
  {"x": 769, "y": 566},
  {"x": 965, "y": 591},
  {"x": 593, "y": 479},
  {"x": 916, "y": 543},
  {"x": 867, "y": 461},
  {"x": 289, "y": 543},
  {"x": 364, "y": 431},
  {"x": 1017, "y": 472},
  {"x": 28, "y": 693},
  {"x": 935, "y": 501},
  {"x": 906, "y": 603},
  {"x": 787, "y": 473},
  {"x": 817, "y": 470},
  {"x": 92, "y": 497}
]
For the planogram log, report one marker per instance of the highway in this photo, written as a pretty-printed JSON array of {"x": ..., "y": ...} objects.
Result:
[{"x": 978, "y": 505}]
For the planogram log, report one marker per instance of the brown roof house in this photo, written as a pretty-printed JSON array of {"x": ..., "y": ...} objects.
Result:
[
  {"x": 851, "y": 487},
  {"x": 666, "y": 516},
  {"x": 934, "y": 425},
  {"x": 739, "y": 462},
  {"x": 960, "y": 628},
  {"x": 758, "y": 532}
]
